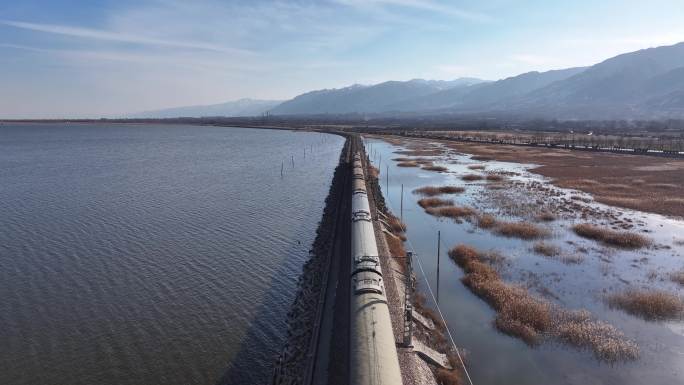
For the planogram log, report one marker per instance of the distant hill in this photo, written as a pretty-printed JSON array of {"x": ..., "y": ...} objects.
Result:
[
  {"x": 242, "y": 107},
  {"x": 366, "y": 99},
  {"x": 646, "y": 84}
]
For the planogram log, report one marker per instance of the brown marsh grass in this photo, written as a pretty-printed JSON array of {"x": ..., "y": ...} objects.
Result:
[
  {"x": 435, "y": 168},
  {"x": 623, "y": 239},
  {"x": 546, "y": 216},
  {"x": 431, "y": 191},
  {"x": 495, "y": 177},
  {"x": 546, "y": 249},
  {"x": 522, "y": 230},
  {"x": 519, "y": 314},
  {"x": 396, "y": 225},
  {"x": 448, "y": 377},
  {"x": 407, "y": 164},
  {"x": 396, "y": 246},
  {"x": 434, "y": 202},
  {"x": 678, "y": 277},
  {"x": 577, "y": 328},
  {"x": 477, "y": 166},
  {"x": 453, "y": 212},
  {"x": 651, "y": 305},
  {"x": 532, "y": 319},
  {"x": 486, "y": 221},
  {"x": 472, "y": 177}
]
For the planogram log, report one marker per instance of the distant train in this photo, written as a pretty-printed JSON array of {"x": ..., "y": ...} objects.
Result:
[{"x": 372, "y": 354}]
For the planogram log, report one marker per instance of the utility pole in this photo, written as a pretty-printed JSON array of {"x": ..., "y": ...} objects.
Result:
[{"x": 438, "y": 242}]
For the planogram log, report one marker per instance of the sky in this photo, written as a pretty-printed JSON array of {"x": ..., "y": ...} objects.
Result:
[{"x": 99, "y": 58}]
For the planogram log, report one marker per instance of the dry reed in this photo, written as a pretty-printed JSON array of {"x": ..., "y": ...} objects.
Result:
[
  {"x": 450, "y": 211},
  {"x": 623, "y": 239},
  {"x": 531, "y": 319},
  {"x": 486, "y": 221},
  {"x": 434, "y": 202},
  {"x": 650, "y": 305},
  {"x": 472, "y": 177},
  {"x": 546, "y": 249},
  {"x": 431, "y": 191},
  {"x": 435, "y": 168},
  {"x": 494, "y": 177},
  {"x": 522, "y": 230},
  {"x": 678, "y": 277},
  {"x": 407, "y": 164}
]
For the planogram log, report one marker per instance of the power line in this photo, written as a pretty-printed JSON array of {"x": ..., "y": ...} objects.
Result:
[{"x": 434, "y": 299}]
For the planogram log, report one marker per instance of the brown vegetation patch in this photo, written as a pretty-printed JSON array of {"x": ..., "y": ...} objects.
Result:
[
  {"x": 608, "y": 344},
  {"x": 396, "y": 246},
  {"x": 435, "y": 168},
  {"x": 546, "y": 249},
  {"x": 396, "y": 225},
  {"x": 477, "y": 166},
  {"x": 572, "y": 259},
  {"x": 450, "y": 211},
  {"x": 486, "y": 221},
  {"x": 472, "y": 177},
  {"x": 678, "y": 277},
  {"x": 532, "y": 319},
  {"x": 546, "y": 216},
  {"x": 431, "y": 191},
  {"x": 407, "y": 164},
  {"x": 495, "y": 177},
  {"x": 420, "y": 152},
  {"x": 373, "y": 171},
  {"x": 448, "y": 377},
  {"x": 650, "y": 305},
  {"x": 522, "y": 230},
  {"x": 623, "y": 239},
  {"x": 434, "y": 202}
]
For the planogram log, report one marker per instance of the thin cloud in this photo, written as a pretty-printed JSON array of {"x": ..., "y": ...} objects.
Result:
[
  {"x": 430, "y": 6},
  {"x": 88, "y": 33}
]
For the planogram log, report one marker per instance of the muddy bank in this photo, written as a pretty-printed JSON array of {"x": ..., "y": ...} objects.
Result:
[{"x": 295, "y": 363}]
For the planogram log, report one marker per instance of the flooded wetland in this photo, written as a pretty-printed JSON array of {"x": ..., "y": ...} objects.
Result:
[{"x": 540, "y": 282}]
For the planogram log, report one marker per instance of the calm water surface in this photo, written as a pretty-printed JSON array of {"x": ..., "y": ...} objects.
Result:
[{"x": 152, "y": 254}]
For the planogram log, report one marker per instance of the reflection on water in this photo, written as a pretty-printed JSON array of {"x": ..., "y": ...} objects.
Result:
[
  {"x": 495, "y": 358},
  {"x": 152, "y": 254}
]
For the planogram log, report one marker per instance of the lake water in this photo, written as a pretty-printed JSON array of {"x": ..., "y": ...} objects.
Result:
[
  {"x": 494, "y": 358},
  {"x": 152, "y": 254}
]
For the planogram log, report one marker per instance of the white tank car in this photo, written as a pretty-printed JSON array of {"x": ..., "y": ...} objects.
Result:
[{"x": 373, "y": 354}]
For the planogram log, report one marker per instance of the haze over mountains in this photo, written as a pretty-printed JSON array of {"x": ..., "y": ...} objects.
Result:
[
  {"x": 238, "y": 108},
  {"x": 644, "y": 84}
]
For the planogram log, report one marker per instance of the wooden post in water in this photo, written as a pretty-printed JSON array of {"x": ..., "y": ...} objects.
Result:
[
  {"x": 387, "y": 181},
  {"x": 401, "y": 205},
  {"x": 292, "y": 161},
  {"x": 282, "y": 164},
  {"x": 438, "y": 242}
]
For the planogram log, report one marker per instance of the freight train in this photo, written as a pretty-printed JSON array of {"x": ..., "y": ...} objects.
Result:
[{"x": 373, "y": 354}]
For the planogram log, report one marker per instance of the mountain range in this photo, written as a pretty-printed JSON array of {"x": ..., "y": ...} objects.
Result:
[{"x": 648, "y": 83}]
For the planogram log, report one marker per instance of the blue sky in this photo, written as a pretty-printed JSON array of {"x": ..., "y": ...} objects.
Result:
[{"x": 105, "y": 58}]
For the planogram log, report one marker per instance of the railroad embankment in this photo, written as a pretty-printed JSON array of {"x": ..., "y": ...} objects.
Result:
[
  {"x": 431, "y": 359},
  {"x": 296, "y": 363}
]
